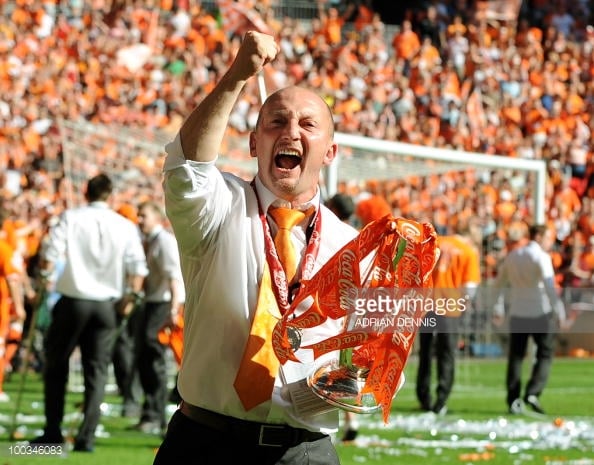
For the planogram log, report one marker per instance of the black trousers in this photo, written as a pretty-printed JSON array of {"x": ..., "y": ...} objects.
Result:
[
  {"x": 188, "y": 442},
  {"x": 90, "y": 325},
  {"x": 440, "y": 341},
  {"x": 150, "y": 359},
  {"x": 541, "y": 331},
  {"x": 124, "y": 365}
]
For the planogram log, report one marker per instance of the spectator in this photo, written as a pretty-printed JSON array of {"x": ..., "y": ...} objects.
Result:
[
  {"x": 431, "y": 28},
  {"x": 406, "y": 45},
  {"x": 73, "y": 73},
  {"x": 11, "y": 305}
]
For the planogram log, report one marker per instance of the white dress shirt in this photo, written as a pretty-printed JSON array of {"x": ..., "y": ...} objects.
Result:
[
  {"x": 216, "y": 221},
  {"x": 162, "y": 259},
  {"x": 527, "y": 277},
  {"x": 99, "y": 249}
]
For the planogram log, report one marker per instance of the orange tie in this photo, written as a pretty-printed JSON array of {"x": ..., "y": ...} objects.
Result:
[
  {"x": 259, "y": 366},
  {"x": 286, "y": 219}
]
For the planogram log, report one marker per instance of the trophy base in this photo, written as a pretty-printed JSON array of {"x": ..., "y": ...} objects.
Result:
[{"x": 341, "y": 387}]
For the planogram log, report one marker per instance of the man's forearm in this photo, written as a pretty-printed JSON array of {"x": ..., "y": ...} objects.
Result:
[
  {"x": 135, "y": 283},
  {"x": 15, "y": 288},
  {"x": 175, "y": 289},
  {"x": 202, "y": 133}
]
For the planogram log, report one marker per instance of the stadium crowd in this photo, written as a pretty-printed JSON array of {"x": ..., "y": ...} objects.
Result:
[{"x": 442, "y": 79}]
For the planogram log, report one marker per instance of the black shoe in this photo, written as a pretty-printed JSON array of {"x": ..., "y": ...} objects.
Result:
[
  {"x": 47, "y": 439},
  {"x": 516, "y": 407},
  {"x": 82, "y": 448},
  {"x": 534, "y": 404},
  {"x": 440, "y": 409},
  {"x": 350, "y": 435}
]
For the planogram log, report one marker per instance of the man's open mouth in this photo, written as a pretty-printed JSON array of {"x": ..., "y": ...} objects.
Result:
[{"x": 287, "y": 160}]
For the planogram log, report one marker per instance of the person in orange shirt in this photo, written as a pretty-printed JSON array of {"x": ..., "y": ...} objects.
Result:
[
  {"x": 455, "y": 280},
  {"x": 11, "y": 298},
  {"x": 332, "y": 23},
  {"x": 406, "y": 45},
  {"x": 506, "y": 207}
]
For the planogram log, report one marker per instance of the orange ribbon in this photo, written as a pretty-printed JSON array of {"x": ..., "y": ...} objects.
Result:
[{"x": 402, "y": 255}]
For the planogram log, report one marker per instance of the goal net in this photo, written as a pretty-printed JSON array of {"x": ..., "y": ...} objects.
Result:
[{"x": 132, "y": 158}]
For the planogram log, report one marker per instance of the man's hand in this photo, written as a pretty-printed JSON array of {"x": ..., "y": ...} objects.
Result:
[
  {"x": 565, "y": 324},
  {"x": 126, "y": 304},
  {"x": 256, "y": 50},
  {"x": 173, "y": 318}
]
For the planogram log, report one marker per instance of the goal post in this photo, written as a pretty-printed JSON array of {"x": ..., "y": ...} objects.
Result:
[{"x": 390, "y": 160}]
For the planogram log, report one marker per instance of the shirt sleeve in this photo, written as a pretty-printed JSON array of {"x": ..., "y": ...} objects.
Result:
[
  {"x": 171, "y": 265},
  {"x": 55, "y": 247},
  {"x": 548, "y": 278},
  {"x": 134, "y": 258},
  {"x": 501, "y": 285},
  {"x": 197, "y": 199}
]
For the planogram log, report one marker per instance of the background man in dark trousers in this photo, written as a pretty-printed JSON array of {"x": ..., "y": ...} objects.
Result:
[
  {"x": 163, "y": 298},
  {"x": 101, "y": 251},
  {"x": 526, "y": 276},
  {"x": 456, "y": 276}
]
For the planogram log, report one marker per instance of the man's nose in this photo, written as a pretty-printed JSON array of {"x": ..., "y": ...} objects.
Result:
[{"x": 293, "y": 128}]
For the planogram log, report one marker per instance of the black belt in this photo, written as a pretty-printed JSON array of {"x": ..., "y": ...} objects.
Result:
[{"x": 262, "y": 434}]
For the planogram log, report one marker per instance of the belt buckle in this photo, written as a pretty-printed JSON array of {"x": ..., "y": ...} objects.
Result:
[{"x": 262, "y": 438}]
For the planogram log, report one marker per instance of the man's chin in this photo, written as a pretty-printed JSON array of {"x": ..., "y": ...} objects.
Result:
[{"x": 286, "y": 185}]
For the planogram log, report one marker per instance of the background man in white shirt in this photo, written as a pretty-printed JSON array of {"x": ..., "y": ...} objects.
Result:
[
  {"x": 102, "y": 252},
  {"x": 163, "y": 298},
  {"x": 527, "y": 277}
]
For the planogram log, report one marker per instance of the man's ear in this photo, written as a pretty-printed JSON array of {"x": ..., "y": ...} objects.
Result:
[
  {"x": 330, "y": 153},
  {"x": 253, "y": 152}
]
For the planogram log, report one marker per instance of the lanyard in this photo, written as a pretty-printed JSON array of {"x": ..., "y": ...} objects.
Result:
[{"x": 280, "y": 286}]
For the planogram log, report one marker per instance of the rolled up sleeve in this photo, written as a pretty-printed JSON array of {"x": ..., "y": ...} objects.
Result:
[{"x": 197, "y": 199}]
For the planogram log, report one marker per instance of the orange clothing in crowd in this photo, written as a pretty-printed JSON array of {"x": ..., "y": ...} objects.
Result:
[
  {"x": 8, "y": 269},
  {"x": 332, "y": 27},
  {"x": 406, "y": 44},
  {"x": 458, "y": 266},
  {"x": 364, "y": 17},
  {"x": 371, "y": 209}
]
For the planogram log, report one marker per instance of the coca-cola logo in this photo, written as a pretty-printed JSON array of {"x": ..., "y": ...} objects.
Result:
[
  {"x": 347, "y": 295},
  {"x": 346, "y": 262}
]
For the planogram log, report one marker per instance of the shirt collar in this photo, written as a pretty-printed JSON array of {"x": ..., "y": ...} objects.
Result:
[
  {"x": 99, "y": 204},
  {"x": 267, "y": 198},
  {"x": 154, "y": 233}
]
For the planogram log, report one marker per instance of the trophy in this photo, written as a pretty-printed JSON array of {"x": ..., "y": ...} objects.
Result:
[
  {"x": 340, "y": 383},
  {"x": 391, "y": 257}
]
